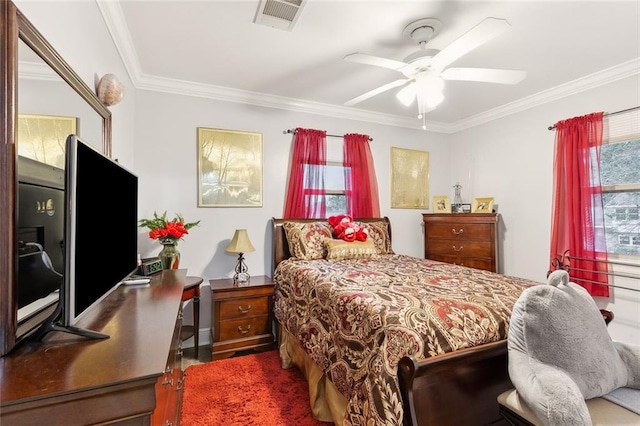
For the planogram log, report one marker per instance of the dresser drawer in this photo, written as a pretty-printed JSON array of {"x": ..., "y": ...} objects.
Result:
[
  {"x": 460, "y": 248},
  {"x": 470, "y": 262},
  {"x": 243, "y": 308},
  {"x": 459, "y": 231},
  {"x": 246, "y": 327}
]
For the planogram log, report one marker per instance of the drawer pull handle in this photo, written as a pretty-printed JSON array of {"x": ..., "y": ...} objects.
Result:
[
  {"x": 244, "y": 331},
  {"x": 167, "y": 382},
  {"x": 244, "y": 311},
  {"x": 458, "y": 232},
  {"x": 457, "y": 248}
]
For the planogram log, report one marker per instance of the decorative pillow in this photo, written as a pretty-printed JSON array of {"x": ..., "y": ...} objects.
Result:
[
  {"x": 343, "y": 250},
  {"x": 560, "y": 352},
  {"x": 378, "y": 233},
  {"x": 306, "y": 239}
]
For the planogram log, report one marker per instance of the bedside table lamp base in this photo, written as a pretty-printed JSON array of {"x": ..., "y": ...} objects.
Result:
[{"x": 242, "y": 272}]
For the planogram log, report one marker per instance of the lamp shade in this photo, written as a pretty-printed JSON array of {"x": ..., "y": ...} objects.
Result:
[{"x": 240, "y": 243}]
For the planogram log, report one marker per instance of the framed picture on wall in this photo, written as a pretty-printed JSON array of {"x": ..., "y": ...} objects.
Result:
[
  {"x": 409, "y": 179},
  {"x": 482, "y": 205},
  {"x": 229, "y": 168},
  {"x": 441, "y": 204},
  {"x": 43, "y": 137}
]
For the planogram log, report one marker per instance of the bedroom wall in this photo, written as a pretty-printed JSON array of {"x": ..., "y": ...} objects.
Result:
[
  {"x": 512, "y": 160},
  {"x": 166, "y": 162},
  {"x": 509, "y": 159}
]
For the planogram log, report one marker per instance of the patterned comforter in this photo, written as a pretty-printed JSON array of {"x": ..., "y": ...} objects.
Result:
[{"x": 357, "y": 318}]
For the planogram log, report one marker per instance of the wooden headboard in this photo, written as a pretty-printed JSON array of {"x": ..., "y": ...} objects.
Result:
[{"x": 281, "y": 246}]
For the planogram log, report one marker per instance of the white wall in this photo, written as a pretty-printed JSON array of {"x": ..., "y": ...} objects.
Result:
[
  {"x": 513, "y": 162},
  {"x": 155, "y": 134}
]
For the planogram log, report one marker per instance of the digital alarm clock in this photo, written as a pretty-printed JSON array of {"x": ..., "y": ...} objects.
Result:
[{"x": 150, "y": 266}]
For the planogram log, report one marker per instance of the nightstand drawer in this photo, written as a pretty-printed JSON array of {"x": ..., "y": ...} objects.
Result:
[
  {"x": 460, "y": 248},
  {"x": 242, "y": 328},
  {"x": 459, "y": 231},
  {"x": 243, "y": 308}
]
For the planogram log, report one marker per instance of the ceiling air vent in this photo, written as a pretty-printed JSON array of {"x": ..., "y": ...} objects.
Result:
[{"x": 281, "y": 14}]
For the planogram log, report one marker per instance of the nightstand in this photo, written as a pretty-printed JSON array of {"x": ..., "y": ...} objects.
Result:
[{"x": 242, "y": 316}]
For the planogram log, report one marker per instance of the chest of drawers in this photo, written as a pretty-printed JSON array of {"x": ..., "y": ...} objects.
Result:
[{"x": 467, "y": 239}]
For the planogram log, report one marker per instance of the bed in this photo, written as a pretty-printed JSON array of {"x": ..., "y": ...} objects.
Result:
[{"x": 389, "y": 339}]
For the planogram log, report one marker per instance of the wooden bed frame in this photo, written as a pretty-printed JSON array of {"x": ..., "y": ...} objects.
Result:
[{"x": 457, "y": 388}]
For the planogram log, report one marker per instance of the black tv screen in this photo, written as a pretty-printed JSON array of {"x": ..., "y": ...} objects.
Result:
[{"x": 101, "y": 227}]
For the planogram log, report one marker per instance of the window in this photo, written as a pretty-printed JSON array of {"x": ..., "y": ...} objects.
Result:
[
  {"x": 620, "y": 180},
  {"x": 335, "y": 197}
]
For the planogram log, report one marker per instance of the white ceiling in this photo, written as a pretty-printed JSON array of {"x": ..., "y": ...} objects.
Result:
[{"x": 213, "y": 49}]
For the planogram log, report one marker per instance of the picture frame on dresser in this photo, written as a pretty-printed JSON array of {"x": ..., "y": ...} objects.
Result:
[
  {"x": 482, "y": 205},
  {"x": 441, "y": 204}
]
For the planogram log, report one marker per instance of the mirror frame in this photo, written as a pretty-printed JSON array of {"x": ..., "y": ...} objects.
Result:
[{"x": 15, "y": 26}]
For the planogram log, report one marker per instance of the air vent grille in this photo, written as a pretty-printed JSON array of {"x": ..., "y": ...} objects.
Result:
[{"x": 281, "y": 14}]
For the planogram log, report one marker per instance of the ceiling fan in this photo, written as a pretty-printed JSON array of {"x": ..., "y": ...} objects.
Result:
[{"x": 426, "y": 69}]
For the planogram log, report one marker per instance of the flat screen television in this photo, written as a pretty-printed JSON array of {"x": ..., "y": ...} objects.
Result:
[{"x": 101, "y": 229}]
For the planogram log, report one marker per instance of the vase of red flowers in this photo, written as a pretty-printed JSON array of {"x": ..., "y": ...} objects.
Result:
[{"x": 168, "y": 233}]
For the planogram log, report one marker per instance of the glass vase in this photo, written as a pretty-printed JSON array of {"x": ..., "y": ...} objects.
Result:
[{"x": 169, "y": 256}]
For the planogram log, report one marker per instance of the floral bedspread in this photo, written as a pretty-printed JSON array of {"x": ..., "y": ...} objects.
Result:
[{"x": 358, "y": 318}]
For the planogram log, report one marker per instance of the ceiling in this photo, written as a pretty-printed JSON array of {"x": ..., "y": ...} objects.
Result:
[{"x": 214, "y": 49}]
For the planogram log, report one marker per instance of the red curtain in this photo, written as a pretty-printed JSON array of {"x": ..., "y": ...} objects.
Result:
[
  {"x": 307, "y": 171},
  {"x": 578, "y": 217},
  {"x": 360, "y": 177}
]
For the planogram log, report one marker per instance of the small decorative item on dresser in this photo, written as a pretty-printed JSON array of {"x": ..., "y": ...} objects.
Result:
[
  {"x": 483, "y": 205},
  {"x": 240, "y": 244},
  {"x": 168, "y": 233},
  {"x": 441, "y": 204}
]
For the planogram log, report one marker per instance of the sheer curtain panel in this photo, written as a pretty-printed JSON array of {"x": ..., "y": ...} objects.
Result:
[{"x": 577, "y": 215}]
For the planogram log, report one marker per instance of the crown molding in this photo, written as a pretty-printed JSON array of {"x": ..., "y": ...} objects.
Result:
[
  {"x": 116, "y": 24},
  {"x": 600, "y": 78},
  {"x": 37, "y": 71}
]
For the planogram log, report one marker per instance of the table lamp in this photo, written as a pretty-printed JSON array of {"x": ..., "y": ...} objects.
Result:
[{"x": 240, "y": 244}]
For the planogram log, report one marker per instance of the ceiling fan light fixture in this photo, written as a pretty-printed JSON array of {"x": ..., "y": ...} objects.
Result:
[{"x": 407, "y": 94}]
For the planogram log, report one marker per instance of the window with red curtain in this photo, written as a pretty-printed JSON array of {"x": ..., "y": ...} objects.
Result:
[
  {"x": 577, "y": 216},
  {"x": 306, "y": 191},
  {"x": 361, "y": 186}
]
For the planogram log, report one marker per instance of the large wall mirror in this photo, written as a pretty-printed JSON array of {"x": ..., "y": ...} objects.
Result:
[{"x": 42, "y": 101}]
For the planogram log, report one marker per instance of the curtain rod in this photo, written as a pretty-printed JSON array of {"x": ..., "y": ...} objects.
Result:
[
  {"x": 331, "y": 136},
  {"x": 606, "y": 114}
]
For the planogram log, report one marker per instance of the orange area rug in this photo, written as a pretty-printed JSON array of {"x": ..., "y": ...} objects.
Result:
[{"x": 246, "y": 390}]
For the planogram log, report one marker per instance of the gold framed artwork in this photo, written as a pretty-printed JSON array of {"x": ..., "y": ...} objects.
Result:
[
  {"x": 229, "y": 168},
  {"x": 441, "y": 204},
  {"x": 482, "y": 205},
  {"x": 43, "y": 137},
  {"x": 409, "y": 179}
]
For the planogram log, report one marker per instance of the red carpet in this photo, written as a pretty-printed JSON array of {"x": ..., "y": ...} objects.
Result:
[{"x": 246, "y": 390}]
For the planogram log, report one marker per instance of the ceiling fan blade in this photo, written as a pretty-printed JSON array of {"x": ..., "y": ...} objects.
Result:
[
  {"x": 487, "y": 75},
  {"x": 376, "y": 91},
  {"x": 376, "y": 61},
  {"x": 476, "y": 36}
]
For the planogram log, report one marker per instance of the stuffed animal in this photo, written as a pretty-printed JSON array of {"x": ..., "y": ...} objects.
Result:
[
  {"x": 560, "y": 352},
  {"x": 345, "y": 229}
]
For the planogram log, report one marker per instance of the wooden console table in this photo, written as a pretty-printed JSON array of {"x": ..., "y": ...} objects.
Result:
[{"x": 134, "y": 377}]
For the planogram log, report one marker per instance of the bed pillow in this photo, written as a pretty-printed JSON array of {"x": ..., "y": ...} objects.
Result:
[
  {"x": 306, "y": 239},
  {"x": 379, "y": 234},
  {"x": 343, "y": 250}
]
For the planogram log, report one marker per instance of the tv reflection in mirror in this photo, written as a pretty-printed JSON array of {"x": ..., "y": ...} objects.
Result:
[
  {"x": 100, "y": 236},
  {"x": 40, "y": 242}
]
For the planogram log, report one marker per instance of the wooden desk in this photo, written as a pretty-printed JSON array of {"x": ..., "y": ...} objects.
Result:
[
  {"x": 192, "y": 291},
  {"x": 69, "y": 380}
]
